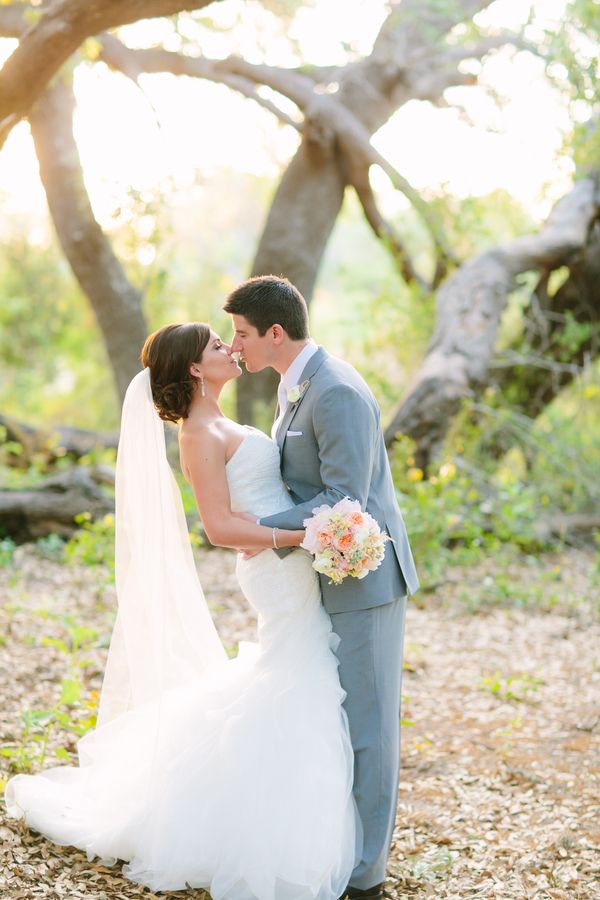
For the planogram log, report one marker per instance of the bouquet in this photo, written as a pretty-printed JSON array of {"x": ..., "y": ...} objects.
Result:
[{"x": 344, "y": 541}]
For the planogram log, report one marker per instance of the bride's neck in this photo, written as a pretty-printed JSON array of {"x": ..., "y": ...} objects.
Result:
[{"x": 205, "y": 409}]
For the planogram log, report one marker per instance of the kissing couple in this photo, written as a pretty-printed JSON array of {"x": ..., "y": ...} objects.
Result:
[{"x": 273, "y": 775}]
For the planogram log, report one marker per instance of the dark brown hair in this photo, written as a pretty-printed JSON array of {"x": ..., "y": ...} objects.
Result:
[
  {"x": 267, "y": 300},
  {"x": 169, "y": 353}
]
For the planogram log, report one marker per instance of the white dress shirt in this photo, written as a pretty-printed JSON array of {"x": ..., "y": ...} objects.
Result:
[{"x": 290, "y": 379}]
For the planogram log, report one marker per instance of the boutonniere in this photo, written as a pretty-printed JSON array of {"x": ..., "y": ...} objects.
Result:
[{"x": 294, "y": 393}]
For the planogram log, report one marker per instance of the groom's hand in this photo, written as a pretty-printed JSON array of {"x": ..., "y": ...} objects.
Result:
[
  {"x": 248, "y": 517},
  {"x": 248, "y": 554}
]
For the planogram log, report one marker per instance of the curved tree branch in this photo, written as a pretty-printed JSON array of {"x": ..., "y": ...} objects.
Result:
[
  {"x": 486, "y": 43},
  {"x": 386, "y": 232},
  {"x": 470, "y": 305},
  {"x": 405, "y": 35},
  {"x": 58, "y": 32},
  {"x": 544, "y": 359},
  {"x": 134, "y": 63},
  {"x": 328, "y": 113},
  {"x": 324, "y": 114},
  {"x": 13, "y": 20}
]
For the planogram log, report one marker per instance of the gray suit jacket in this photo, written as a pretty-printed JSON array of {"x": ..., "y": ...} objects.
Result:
[{"x": 332, "y": 446}]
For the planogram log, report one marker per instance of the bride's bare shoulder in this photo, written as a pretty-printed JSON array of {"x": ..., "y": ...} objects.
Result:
[{"x": 201, "y": 443}]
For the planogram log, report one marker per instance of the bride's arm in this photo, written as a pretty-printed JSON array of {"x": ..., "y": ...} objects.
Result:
[{"x": 203, "y": 462}]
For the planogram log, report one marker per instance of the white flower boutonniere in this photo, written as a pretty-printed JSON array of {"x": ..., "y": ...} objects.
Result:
[{"x": 294, "y": 393}]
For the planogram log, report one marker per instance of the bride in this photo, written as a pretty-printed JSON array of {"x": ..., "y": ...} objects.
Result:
[{"x": 230, "y": 775}]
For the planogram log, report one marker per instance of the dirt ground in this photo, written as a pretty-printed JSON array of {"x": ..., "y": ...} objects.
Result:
[{"x": 499, "y": 792}]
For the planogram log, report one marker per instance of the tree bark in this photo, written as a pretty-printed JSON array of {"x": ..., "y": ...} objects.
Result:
[
  {"x": 116, "y": 303},
  {"x": 469, "y": 307}
]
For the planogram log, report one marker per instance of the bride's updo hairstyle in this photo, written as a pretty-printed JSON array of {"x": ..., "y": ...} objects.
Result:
[{"x": 169, "y": 353}]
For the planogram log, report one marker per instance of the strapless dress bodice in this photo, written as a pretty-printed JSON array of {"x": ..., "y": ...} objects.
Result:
[{"x": 254, "y": 477}]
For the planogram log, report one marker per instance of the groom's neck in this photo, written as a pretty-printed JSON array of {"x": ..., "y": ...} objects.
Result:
[{"x": 289, "y": 354}]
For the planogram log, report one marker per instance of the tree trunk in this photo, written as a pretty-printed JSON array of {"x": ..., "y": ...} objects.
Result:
[
  {"x": 292, "y": 244},
  {"x": 52, "y": 505},
  {"x": 116, "y": 303},
  {"x": 53, "y": 444},
  {"x": 303, "y": 215}
]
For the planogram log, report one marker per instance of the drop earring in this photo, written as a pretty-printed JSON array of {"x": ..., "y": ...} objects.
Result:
[{"x": 202, "y": 388}]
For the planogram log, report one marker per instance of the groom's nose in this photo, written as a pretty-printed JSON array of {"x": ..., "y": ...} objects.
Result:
[{"x": 236, "y": 345}]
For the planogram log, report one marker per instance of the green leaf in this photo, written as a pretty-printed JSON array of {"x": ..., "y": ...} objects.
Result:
[
  {"x": 71, "y": 691},
  {"x": 55, "y": 642},
  {"x": 37, "y": 717},
  {"x": 80, "y": 635}
]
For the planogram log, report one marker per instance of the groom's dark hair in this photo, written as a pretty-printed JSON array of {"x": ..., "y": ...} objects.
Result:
[{"x": 267, "y": 300}]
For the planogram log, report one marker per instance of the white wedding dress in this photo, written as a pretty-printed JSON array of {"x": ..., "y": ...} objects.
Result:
[{"x": 245, "y": 785}]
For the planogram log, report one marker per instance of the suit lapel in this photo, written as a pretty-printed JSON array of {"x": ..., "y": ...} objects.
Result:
[{"x": 312, "y": 366}]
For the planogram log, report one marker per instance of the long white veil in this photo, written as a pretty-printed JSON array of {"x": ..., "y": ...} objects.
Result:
[{"x": 163, "y": 634}]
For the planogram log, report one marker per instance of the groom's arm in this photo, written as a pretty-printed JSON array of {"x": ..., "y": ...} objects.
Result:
[{"x": 346, "y": 427}]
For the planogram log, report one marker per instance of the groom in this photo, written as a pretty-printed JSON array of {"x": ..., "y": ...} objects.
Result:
[{"x": 329, "y": 434}]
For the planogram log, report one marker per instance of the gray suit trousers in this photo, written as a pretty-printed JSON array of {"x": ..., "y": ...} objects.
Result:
[{"x": 370, "y": 656}]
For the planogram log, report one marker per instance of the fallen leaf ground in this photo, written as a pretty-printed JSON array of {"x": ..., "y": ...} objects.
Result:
[{"x": 500, "y": 762}]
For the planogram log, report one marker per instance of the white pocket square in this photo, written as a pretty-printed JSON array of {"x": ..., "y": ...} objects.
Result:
[{"x": 293, "y": 434}]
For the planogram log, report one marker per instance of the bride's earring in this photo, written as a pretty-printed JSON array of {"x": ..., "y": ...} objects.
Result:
[{"x": 202, "y": 388}]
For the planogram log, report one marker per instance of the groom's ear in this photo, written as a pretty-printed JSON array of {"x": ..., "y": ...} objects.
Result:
[{"x": 278, "y": 333}]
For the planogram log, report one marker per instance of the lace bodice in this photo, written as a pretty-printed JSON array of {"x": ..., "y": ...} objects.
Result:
[{"x": 255, "y": 483}]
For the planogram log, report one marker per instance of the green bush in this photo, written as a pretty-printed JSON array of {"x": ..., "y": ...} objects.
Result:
[
  {"x": 7, "y": 551},
  {"x": 52, "y": 546},
  {"x": 456, "y": 515},
  {"x": 94, "y": 543}
]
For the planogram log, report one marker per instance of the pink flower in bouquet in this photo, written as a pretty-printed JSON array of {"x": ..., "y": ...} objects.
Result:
[{"x": 324, "y": 537}]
